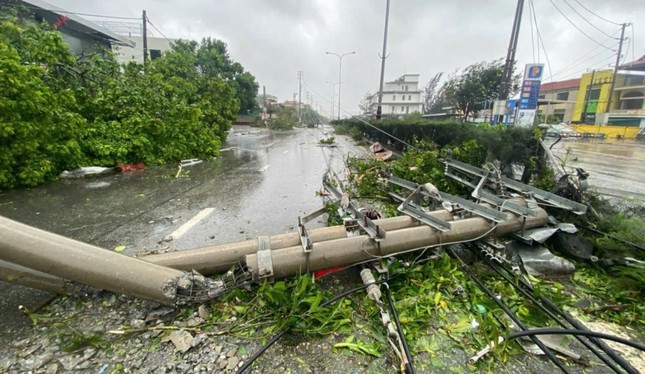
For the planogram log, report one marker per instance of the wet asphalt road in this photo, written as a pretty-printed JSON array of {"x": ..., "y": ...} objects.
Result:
[
  {"x": 616, "y": 168},
  {"x": 259, "y": 185}
]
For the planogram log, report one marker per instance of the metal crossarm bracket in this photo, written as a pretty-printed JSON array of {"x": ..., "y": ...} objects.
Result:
[
  {"x": 372, "y": 229},
  {"x": 488, "y": 213},
  {"x": 544, "y": 196},
  {"x": 305, "y": 240},
  {"x": 407, "y": 208},
  {"x": 265, "y": 263},
  {"x": 505, "y": 204}
]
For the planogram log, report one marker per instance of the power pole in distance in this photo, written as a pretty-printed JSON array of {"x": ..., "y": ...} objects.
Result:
[
  {"x": 383, "y": 57},
  {"x": 145, "y": 37},
  {"x": 613, "y": 77},
  {"x": 299, "y": 93},
  {"x": 510, "y": 55}
]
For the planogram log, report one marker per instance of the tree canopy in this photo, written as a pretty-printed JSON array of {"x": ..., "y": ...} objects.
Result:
[
  {"x": 61, "y": 112},
  {"x": 468, "y": 89}
]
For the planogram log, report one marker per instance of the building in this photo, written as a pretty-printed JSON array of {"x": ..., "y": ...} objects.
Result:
[
  {"x": 156, "y": 47},
  {"x": 82, "y": 36},
  {"x": 585, "y": 100},
  {"x": 400, "y": 98},
  {"x": 557, "y": 100}
]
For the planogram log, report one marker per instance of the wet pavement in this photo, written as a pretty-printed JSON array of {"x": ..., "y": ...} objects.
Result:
[
  {"x": 259, "y": 185},
  {"x": 616, "y": 168}
]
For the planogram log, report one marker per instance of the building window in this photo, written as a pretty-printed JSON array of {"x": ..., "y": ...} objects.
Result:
[
  {"x": 393, "y": 97},
  {"x": 407, "y": 109},
  {"x": 562, "y": 96},
  {"x": 392, "y": 110},
  {"x": 402, "y": 109},
  {"x": 541, "y": 97},
  {"x": 409, "y": 97},
  {"x": 406, "y": 88},
  {"x": 594, "y": 94},
  {"x": 403, "y": 97}
]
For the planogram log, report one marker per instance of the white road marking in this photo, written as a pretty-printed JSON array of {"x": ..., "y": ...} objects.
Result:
[
  {"x": 192, "y": 222},
  {"x": 264, "y": 168},
  {"x": 285, "y": 151}
]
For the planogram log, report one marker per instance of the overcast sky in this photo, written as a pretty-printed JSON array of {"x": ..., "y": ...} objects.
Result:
[{"x": 273, "y": 39}]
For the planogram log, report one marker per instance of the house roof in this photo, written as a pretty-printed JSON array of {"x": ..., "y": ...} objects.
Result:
[
  {"x": 638, "y": 65},
  {"x": 561, "y": 85},
  {"x": 53, "y": 14}
]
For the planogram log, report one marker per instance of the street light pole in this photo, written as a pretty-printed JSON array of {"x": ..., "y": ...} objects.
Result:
[{"x": 340, "y": 72}]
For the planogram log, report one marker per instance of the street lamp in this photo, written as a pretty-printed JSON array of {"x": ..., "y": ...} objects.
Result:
[{"x": 340, "y": 70}]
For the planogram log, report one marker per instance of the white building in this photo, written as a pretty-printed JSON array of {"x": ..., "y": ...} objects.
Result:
[
  {"x": 156, "y": 46},
  {"x": 400, "y": 97}
]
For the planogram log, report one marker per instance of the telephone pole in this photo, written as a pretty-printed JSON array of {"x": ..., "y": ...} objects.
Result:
[
  {"x": 299, "y": 93},
  {"x": 613, "y": 77},
  {"x": 145, "y": 37},
  {"x": 510, "y": 55},
  {"x": 383, "y": 57}
]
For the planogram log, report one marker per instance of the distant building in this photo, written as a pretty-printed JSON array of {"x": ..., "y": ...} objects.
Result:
[
  {"x": 584, "y": 100},
  {"x": 156, "y": 47},
  {"x": 557, "y": 99},
  {"x": 400, "y": 98},
  {"x": 82, "y": 36}
]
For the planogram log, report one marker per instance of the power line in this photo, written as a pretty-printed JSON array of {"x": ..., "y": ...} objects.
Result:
[
  {"x": 588, "y": 10},
  {"x": 159, "y": 31},
  {"x": 581, "y": 62},
  {"x": 574, "y": 25},
  {"x": 537, "y": 30},
  {"x": 67, "y": 12},
  {"x": 586, "y": 20},
  {"x": 532, "y": 40},
  {"x": 584, "y": 58}
]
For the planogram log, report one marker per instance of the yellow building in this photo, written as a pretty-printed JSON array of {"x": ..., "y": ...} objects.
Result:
[{"x": 592, "y": 96}]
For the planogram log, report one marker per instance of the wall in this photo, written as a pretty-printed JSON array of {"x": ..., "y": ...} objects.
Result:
[
  {"x": 611, "y": 132},
  {"x": 127, "y": 54},
  {"x": 602, "y": 81}
]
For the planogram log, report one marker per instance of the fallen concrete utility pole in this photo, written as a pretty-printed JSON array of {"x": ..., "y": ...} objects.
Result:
[
  {"x": 23, "y": 276},
  {"x": 341, "y": 252},
  {"x": 205, "y": 260},
  {"x": 220, "y": 258},
  {"x": 80, "y": 262}
]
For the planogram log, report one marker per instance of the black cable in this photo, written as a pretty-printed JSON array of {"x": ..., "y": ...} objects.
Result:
[
  {"x": 585, "y": 19},
  {"x": 613, "y": 237},
  {"x": 409, "y": 366},
  {"x": 508, "y": 312},
  {"x": 600, "y": 335},
  {"x": 574, "y": 25},
  {"x": 576, "y": 324},
  {"x": 604, "y": 19},
  {"x": 279, "y": 335},
  {"x": 548, "y": 312}
]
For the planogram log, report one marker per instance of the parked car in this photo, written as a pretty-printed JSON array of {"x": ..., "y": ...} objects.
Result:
[
  {"x": 562, "y": 130},
  {"x": 641, "y": 135}
]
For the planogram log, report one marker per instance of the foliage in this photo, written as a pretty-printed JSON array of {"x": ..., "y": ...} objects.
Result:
[
  {"x": 286, "y": 119},
  {"x": 58, "y": 112},
  {"x": 274, "y": 306},
  {"x": 39, "y": 124},
  {"x": 432, "y": 97},
  {"x": 329, "y": 140},
  {"x": 468, "y": 89}
]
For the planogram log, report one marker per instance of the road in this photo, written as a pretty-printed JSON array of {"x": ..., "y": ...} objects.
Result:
[
  {"x": 616, "y": 168},
  {"x": 259, "y": 185}
]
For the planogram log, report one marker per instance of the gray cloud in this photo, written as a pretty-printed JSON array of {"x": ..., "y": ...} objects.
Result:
[{"x": 274, "y": 39}]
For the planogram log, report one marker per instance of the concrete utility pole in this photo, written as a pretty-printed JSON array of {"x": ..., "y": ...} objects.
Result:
[
  {"x": 340, "y": 72},
  {"x": 299, "y": 93},
  {"x": 383, "y": 57},
  {"x": 613, "y": 77},
  {"x": 510, "y": 55},
  {"x": 145, "y": 37},
  {"x": 583, "y": 117}
]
